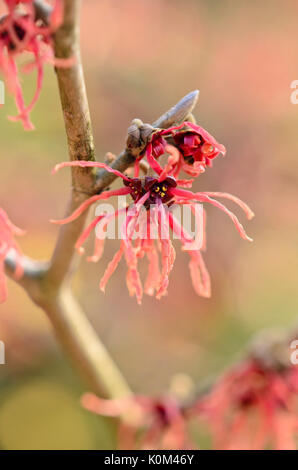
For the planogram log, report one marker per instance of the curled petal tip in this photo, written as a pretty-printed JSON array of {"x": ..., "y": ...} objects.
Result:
[
  {"x": 85, "y": 400},
  {"x": 246, "y": 237},
  {"x": 93, "y": 259},
  {"x": 160, "y": 295},
  {"x": 55, "y": 169},
  {"x": 56, "y": 222},
  {"x": 20, "y": 232},
  {"x": 149, "y": 292},
  {"x": 206, "y": 294}
]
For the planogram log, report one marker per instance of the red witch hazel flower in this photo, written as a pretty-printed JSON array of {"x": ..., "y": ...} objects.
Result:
[
  {"x": 21, "y": 32},
  {"x": 147, "y": 225},
  {"x": 7, "y": 243},
  {"x": 253, "y": 407},
  {"x": 147, "y": 423},
  {"x": 197, "y": 148}
]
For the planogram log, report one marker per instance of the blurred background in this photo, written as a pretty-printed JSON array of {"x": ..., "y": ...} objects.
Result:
[{"x": 140, "y": 58}]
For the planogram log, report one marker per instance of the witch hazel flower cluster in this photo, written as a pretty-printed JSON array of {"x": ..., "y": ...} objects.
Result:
[
  {"x": 187, "y": 148},
  {"x": 145, "y": 423},
  {"x": 8, "y": 232},
  {"x": 22, "y": 34},
  {"x": 253, "y": 407}
]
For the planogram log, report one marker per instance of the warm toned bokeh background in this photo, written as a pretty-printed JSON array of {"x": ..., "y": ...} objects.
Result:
[{"x": 140, "y": 57}]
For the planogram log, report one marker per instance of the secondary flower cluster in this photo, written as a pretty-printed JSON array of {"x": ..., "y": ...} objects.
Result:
[
  {"x": 146, "y": 423},
  {"x": 196, "y": 149},
  {"x": 21, "y": 32},
  {"x": 253, "y": 407},
  {"x": 187, "y": 147},
  {"x": 8, "y": 231}
]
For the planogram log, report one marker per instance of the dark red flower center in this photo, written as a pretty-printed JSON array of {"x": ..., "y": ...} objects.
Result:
[
  {"x": 162, "y": 414},
  {"x": 160, "y": 191},
  {"x": 19, "y": 32}
]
